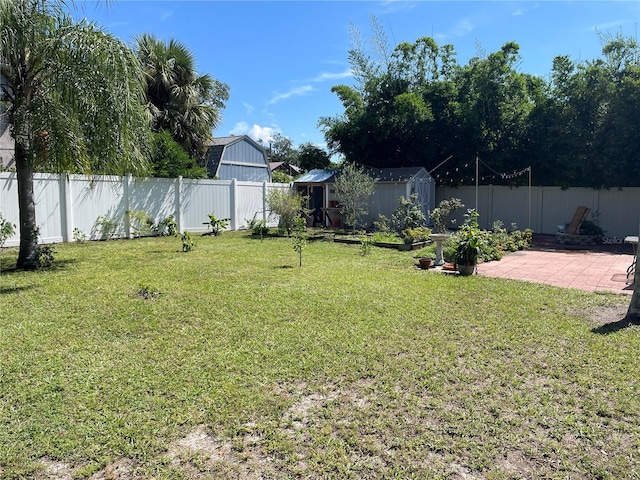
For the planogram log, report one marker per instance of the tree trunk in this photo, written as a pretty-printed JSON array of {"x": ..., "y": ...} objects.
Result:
[
  {"x": 634, "y": 306},
  {"x": 27, "y": 205}
]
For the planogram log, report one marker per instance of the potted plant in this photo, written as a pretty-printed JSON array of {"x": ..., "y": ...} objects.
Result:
[{"x": 470, "y": 240}]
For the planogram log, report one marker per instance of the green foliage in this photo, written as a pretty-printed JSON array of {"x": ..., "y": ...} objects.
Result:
[
  {"x": 141, "y": 222},
  {"x": 217, "y": 224},
  {"x": 353, "y": 189},
  {"x": 72, "y": 95},
  {"x": 299, "y": 237},
  {"x": 170, "y": 160},
  {"x": 589, "y": 227},
  {"x": 79, "y": 236},
  {"x": 416, "y": 234},
  {"x": 408, "y": 214},
  {"x": 168, "y": 226},
  {"x": 310, "y": 156},
  {"x": 386, "y": 237},
  {"x": 258, "y": 226},
  {"x": 415, "y": 105},
  {"x": 6, "y": 230},
  {"x": 470, "y": 240},
  {"x": 45, "y": 257},
  {"x": 148, "y": 291},
  {"x": 188, "y": 243},
  {"x": 286, "y": 205},
  {"x": 365, "y": 245},
  {"x": 180, "y": 101},
  {"x": 106, "y": 226},
  {"x": 440, "y": 214},
  {"x": 280, "y": 177}
]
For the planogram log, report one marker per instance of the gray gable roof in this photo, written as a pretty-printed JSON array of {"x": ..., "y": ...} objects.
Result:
[{"x": 217, "y": 147}]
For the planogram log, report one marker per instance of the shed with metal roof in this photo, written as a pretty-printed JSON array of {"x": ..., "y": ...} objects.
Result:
[{"x": 391, "y": 184}]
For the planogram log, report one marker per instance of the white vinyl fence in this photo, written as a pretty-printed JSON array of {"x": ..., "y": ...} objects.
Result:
[
  {"x": 67, "y": 202},
  {"x": 543, "y": 209}
]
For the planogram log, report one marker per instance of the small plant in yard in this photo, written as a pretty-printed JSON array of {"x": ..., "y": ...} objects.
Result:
[
  {"x": 141, "y": 222},
  {"x": 217, "y": 224},
  {"x": 365, "y": 246},
  {"x": 258, "y": 226},
  {"x": 79, "y": 236},
  {"x": 168, "y": 226},
  {"x": 147, "y": 291},
  {"x": 106, "y": 226},
  {"x": 6, "y": 230},
  {"x": 45, "y": 256},
  {"x": 188, "y": 243},
  {"x": 299, "y": 237}
]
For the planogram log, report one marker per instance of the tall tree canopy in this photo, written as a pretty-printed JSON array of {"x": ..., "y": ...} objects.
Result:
[
  {"x": 180, "y": 101},
  {"x": 73, "y": 94},
  {"x": 415, "y": 105}
]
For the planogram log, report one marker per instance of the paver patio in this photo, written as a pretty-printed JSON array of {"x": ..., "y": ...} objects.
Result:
[{"x": 582, "y": 269}]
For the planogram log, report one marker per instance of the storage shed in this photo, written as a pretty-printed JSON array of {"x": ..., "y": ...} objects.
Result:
[
  {"x": 237, "y": 157},
  {"x": 392, "y": 183}
]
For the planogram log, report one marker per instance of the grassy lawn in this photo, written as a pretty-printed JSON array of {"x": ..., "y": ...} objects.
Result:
[{"x": 131, "y": 359}]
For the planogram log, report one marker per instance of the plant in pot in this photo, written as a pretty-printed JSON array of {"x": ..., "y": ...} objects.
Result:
[{"x": 470, "y": 239}]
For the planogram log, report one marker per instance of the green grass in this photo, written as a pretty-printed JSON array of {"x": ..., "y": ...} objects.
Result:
[{"x": 349, "y": 367}]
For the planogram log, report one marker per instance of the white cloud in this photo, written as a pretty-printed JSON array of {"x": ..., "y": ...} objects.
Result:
[
  {"x": 167, "y": 14},
  {"x": 332, "y": 76},
  {"x": 256, "y": 132},
  {"x": 462, "y": 28},
  {"x": 249, "y": 108},
  {"x": 294, "y": 92}
]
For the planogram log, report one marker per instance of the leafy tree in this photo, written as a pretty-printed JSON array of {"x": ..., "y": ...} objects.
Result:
[
  {"x": 169, "y": 160},
  {"x": 74, "y": 102},
  {"x": 311, "y": 157},
  {"x": 353, "y": 188},
  {"x": 281, "y": 149},
  {"x": 180, "y": 101}
]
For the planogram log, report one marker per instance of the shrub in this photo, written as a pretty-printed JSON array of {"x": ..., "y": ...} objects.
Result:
[
  {"x": 408, "y": 214},
  {"x": 417, "y": 234},
  {"x": 106, "y": 226},
  {"x": 440, "y": 214},
  {"x": 141, "y": 222},
  {"x": 187, "y": 242},
  {"x": 168, "y": 226},
  {"x": 287, "y": 205}
]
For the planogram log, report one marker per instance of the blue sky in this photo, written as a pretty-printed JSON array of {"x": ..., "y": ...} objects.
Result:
[{"x": 281, "y": 58}]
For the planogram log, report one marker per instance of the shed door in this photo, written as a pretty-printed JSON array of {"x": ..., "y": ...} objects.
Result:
[{"x": 422, "y": 187}]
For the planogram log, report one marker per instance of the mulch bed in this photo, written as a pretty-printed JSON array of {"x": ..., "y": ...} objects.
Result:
[{"x": 548, "y": 242}]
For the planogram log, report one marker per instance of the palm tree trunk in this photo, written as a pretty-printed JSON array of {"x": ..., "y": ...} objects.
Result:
[{"x": 27, "y": 205}]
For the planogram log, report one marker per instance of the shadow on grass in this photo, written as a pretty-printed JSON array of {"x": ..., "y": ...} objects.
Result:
[
  {"x": 9, "y": 290},
  {"x": 57, "y": 265},
  {"x": 612, "y": 327}
]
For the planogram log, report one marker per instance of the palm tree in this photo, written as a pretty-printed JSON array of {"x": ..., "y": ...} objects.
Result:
[
  {"x": 185, "y": 104},
  {"x": 74, "y": 98}
]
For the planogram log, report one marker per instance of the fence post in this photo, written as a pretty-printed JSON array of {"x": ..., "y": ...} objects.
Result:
[
  {"x": 265, "y": 192},
  {"x": 127, "y": 204},
  {"x": 233, "y": 224},
  {"x": 178, "y": 204},
  {"x": 67, "y": 218}
]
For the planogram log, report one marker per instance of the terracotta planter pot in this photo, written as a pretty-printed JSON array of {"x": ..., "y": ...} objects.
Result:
[{"x": 425, "y": 263}]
